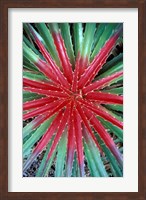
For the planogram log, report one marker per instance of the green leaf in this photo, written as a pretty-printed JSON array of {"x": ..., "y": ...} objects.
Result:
[
  {"x": 117, "y": 140},
  {"x": 85, "y": 50},
  {"x": 108, "y": 30},
  {"x": 78, "y": 37},
  {"x": 117, "y": 114},
  {"x": 27, "y": 146},
  {"x": 29, "y": 54},
  {"x": 28, "y": 65},
  {"x": 117, "y": 131},
  {"x": 110, "y": 157},
  {"x": 100, "y": 28},
  {"x": 32, "y": 47},
  {"x": 49, "y": 43},
  {"x": 30, "y": 94},
  {"x": 28, "y": 136},
  {"x": 60, "y": 160},
  {"x": 27, "y": 130},
  {"x": 114, "y": 90},
  {"x": 121, "y": 149},
  {"x": 113, "y": 69},
  {"x": 53, "y": 27},
  {"x": 90, "y": 161},
  {"x": 29, "y": 34},
  {"x": 111, "y": 63},
  {"x": 48, "y": 164},
  {"x": 34, "y": 76},
  {"x": 95, "y": 155},
  {"x": 113, "y": 114},
  {"x": 75, "y": 170},
  {"x": 31, "y": 98},
  {"x": 117, "y": 81},
  {"x": 65, "y": 31},
  {"x": 115, "y": 107},
  {"x": 88, "y": 40},
  {"x": 41, "y": 168}
]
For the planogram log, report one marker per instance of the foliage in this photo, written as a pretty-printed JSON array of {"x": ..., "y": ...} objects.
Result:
[{"x": 73, "y": 102}]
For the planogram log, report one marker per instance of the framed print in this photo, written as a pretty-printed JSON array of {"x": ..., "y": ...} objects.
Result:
[
  {"x": 67, "y": 141},
  {"x": 72, "y": 81}
]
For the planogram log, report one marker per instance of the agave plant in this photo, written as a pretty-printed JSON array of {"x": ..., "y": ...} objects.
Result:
[{"x": 72, "y": 99}]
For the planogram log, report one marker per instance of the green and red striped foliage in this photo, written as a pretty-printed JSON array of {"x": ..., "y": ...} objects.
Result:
[{"x": 73, "y": 98}]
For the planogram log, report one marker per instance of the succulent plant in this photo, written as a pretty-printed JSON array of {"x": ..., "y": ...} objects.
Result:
[{"x": 72, "y": 98}]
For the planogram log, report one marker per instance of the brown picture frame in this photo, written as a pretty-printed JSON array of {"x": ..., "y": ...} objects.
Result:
[{"x": 4, "y": 6}]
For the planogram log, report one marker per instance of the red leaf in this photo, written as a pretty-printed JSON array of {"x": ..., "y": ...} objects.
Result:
[
  {"x": 37, "y": 103},
  {"x": 102, "y": 83},
  {"x": 61, "y": 128},
  {"x": 47, "y": 56},
  {"x": 57, "y": 105},
  {"x": 79, "y": 144},
  {"x": 83, "y": 63},
  {"x": 76, "y": 75},
  {"x": 67, "y": 68},
  {"x": 105, "y": 98},
  {"x": 38, "y": 121},
  {"x": 49, "y": 133},
  {"x": 44, "y": 141},
  {"x": 83, "y": 116},
  {"x": 70, "y": 145},
  {"x": 98, "y": 61},
  {"x": 104, "y": 136},
  {"x": 58, "y": 94},
  {"x": 40, "y": 85},
  {"x": 102, "y": 113},
  {"x": 45, "y": 69}
]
